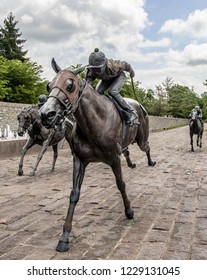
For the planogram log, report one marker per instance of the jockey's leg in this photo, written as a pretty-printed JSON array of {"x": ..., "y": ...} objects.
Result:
[{"x": 114, "y": 90}]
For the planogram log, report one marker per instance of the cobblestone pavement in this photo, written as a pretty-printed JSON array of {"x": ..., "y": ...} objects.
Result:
[{"x": 169, "y": 201}]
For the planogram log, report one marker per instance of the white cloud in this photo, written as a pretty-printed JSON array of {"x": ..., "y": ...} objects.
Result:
[
  {"x": 195, "y": 26},
  {"x": 195, "y": 54},
  {"x": 69, "y": 31}
]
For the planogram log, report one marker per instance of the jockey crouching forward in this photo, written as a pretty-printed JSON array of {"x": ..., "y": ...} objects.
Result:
[
  {"x": 199, "y": 114},
  {"x": 112, "y": 78}
]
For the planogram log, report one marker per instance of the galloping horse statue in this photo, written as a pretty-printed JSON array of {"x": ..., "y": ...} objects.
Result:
[
  {"x": 99, "y": 134},
  {"x": 30, "y": 121},
  {"x": 196, "y": 127}
]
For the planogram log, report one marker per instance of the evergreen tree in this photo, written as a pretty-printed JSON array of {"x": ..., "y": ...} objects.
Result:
[{"x": 11, "y": 45}]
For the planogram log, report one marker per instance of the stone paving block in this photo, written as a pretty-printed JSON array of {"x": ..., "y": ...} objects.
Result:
[{"x": 151, "y": 250}]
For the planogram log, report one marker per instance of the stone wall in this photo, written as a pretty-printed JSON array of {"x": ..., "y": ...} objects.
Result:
[
  {"x": 161, "y": 123},
  {"x": 8, "y": 116},
  {"x": 9, "y": 112}
]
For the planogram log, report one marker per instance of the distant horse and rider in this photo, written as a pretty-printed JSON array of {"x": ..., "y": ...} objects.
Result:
[
  {"x": 29, "y": 121},
  {"x": 196, "y": 127},
  {"x": 100, "y": 134}
]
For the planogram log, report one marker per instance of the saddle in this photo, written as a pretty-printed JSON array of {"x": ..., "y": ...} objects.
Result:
[{"x": 123, "y": 113}]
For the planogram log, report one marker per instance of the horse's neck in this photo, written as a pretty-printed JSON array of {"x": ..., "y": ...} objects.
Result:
[
  {"x": 95, "y": 113},
  {"x": 35, "y": 122},
  {"x": 196, "y": 126},
  {"x": 93, "y": 106},
  {"x": 34, "y": 115}
]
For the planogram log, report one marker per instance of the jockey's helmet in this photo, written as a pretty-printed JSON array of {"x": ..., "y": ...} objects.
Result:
[
  {"x": 42, "y": 99},
  {"x": 97, "y": 59}
]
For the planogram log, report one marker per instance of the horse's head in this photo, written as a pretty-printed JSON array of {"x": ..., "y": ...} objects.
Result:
[
  {"x": 63, "y": 94},
  {"x": 24, "y": 119}
]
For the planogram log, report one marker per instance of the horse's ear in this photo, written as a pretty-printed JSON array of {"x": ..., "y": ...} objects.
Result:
[
  {"x": 79, "y": 70},
  {"x": 55, "y": 67}
]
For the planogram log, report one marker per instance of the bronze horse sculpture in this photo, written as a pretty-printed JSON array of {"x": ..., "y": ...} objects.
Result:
[
  {"x": 195, "y": 127},
  {"x": 29, "y": 121},
  {"x": 98, "y": 135}
]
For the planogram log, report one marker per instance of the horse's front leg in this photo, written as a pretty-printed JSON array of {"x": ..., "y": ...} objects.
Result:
[
  {"x": 28, "y": 145},
  {"x": 45, "y": 145},
  {"x": 201, "y": 136},
  {"x": 191, "y": 142},
  {"x": 78, "y": 175},
  {"x": 39, "y": 157},
  {"x": 116, "y": 167},
  {"x": 200, "y": 140},
  {"x": 126, "y": 153},
  {"x": 55, "y": 155}
]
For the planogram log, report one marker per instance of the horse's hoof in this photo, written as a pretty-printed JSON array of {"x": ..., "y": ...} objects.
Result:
[
  {"x": 133, "y": 165},
  {"x": 62, "y": 246},
  {"x": 152, "y": 163},
  {"x": 20, "y": 173},
  {"x": 129, "y": 213}
]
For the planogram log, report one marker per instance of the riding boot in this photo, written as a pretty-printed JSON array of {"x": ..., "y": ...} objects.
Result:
[{"x": 132, "y": 117}]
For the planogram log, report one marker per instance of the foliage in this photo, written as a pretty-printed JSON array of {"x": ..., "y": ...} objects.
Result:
[
  {"x": 20, "y": 82},
  {"x": 10, "y": 43},
  {"x": 20, "y": 79},
  {"x": 181, "y": 101}
]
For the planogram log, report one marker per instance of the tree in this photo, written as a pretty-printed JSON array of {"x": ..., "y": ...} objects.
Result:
[
  {"x": 181, "y": 101},
  {"x": 20, "y": 79},
  {"x": 11, "y": 46},
  {"x": 4, "y": 89},
  {"x": 20, "y": 82}
]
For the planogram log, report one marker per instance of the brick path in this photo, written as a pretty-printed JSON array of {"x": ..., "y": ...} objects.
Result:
[{"x": 169, "y": 201}]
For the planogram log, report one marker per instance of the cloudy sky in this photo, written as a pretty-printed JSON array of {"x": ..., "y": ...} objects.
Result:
[{"x": 159, "y": 38}]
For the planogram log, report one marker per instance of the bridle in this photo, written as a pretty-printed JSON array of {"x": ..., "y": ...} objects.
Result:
[
  {"x": 73, "y": 97},
  {"x": 30, "y": 118}
]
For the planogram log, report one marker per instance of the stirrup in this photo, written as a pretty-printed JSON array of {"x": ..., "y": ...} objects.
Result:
[{"x": 132, "y": 121}]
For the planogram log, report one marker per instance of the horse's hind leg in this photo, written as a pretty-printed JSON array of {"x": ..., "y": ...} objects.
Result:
[
  {"x": 198, "y": 137},
  {"x": 78, "y": 175},
  {"x": 146, "y": 148},
  {"x": 150, "y": 161},
  {"x": 116, "y": 167},
  {"x": 128, "y": 160}
]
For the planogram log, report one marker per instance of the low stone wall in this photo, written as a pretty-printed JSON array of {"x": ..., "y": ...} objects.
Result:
[
  {"x": 12, "y": 148},
  {"x": 8, "y": 116},
  {"x": 161, "y": 123}
]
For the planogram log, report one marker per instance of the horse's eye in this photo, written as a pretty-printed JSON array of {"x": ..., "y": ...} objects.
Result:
[{"x": 70, "y": 85}]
